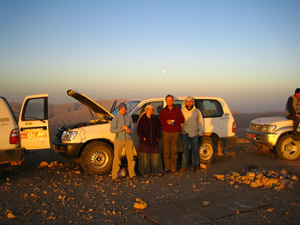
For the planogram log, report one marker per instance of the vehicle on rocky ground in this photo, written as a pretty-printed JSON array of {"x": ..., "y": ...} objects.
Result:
[
  {"x": 92, "y": 141},
  {"x": 29, "y": 133},
  {"x": 275, "y": 133}
]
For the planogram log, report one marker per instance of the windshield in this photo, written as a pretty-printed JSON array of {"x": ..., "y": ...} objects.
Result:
[{"x": 130, "y": 106}]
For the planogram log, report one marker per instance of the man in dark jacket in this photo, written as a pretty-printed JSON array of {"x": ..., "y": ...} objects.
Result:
[
  {"x": 171, "y": 119},
  {"x": 292, "y": 112}
]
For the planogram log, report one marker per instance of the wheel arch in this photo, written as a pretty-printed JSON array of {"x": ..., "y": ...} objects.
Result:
[
  {"x": 280, "y": 136},
  {"x": 107, "y": 141},
  {"x": 216, "y": 139}
]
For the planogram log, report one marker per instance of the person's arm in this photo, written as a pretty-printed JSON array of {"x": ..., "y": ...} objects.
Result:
[
  {"x": 114, "y": 126},
  {"x": 131, "y": 129},
  {"x": 180, "y": 118},
  {"x": 162, "y": 119},
  {"x": 158, "y": 129},
  {"x": 140, "y": 129}
]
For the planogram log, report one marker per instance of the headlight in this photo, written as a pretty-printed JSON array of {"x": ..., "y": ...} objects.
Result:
[
  {"x": 68, "y": 135},
  {"x": 268, "y": 128}
]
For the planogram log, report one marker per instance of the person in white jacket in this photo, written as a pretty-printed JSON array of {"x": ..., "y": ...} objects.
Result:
[{"x": 191, "y": 130}]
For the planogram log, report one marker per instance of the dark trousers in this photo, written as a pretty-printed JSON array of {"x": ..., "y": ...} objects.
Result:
[
  {"x": 296, "y": 121},
  {"x": 170, "y": 150}
]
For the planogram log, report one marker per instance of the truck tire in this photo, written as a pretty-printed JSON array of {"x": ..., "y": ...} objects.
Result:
[
  {"x": 287, "y": 149},
  {"x": 97, "y": 158},
  {"x": 207, "y": 150}
]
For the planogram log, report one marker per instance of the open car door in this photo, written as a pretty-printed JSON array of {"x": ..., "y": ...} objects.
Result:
[
  {"x": 113, "y": 107},
  {"x": 33, "y": 122}
]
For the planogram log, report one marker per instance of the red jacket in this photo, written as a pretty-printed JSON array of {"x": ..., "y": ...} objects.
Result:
[{"x": 171, "y": 114}]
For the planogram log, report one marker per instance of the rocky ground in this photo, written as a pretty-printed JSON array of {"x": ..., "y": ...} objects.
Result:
[{"x": 61, "y": 193}]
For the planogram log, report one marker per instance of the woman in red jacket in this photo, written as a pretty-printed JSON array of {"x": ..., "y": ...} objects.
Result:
[{"x": 149, "y": 132}]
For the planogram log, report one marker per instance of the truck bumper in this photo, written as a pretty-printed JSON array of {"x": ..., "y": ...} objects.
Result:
[
  {"x": 229, "y": 141},
  {"x": 266, "y": 139},
  {"x": 7, "y": 156},
  {"x": 67, "y": 149}
]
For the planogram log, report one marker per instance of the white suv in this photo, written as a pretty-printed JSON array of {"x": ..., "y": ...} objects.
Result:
[
  {"x": 92, "y": 141},
  {"x": 29, "y": 133},
  {"x": 275, "y": 133}
]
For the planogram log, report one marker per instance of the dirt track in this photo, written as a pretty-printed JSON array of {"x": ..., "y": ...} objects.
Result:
[{"x": 63, "y": 194}]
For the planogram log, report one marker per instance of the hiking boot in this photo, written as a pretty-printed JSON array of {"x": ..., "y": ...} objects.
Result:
[
  {"x": 196, "y": 169},
  {"x": 183, "y": 169},
  {"x": 134, "y": 178},
  {"x": 175, "y": 172},
  {"x": 117, "y": 180}
]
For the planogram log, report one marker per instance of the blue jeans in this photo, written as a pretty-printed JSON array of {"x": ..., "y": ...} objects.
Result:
[
  {"x": 150, "y": 163},
  {"x": 190, "y": 142}
]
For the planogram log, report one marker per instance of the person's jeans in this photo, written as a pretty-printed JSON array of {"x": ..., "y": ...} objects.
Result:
[
  {"x": 190, "y": 142},
  {"x": 150, "y": 163}
]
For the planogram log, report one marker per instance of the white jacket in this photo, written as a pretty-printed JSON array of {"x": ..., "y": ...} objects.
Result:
[{"x": 193, "y": 123}]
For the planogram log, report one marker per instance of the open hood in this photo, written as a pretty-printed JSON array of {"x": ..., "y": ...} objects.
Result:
[{"x": 91, "y": 104}]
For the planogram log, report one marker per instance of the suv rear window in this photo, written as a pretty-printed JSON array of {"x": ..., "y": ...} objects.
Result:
[{"x": 209, "y": 108}]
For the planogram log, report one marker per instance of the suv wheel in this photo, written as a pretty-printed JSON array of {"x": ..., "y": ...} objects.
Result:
[
  {"x": 288, "y": 149},
  {"x": 207, "y": 150},
  {"x": 97, "y": 158}
]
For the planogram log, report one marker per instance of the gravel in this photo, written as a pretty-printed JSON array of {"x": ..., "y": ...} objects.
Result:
[{"x": 64, "y": 194}]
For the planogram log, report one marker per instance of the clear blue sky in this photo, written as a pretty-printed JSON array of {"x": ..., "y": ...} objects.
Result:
[{"x": 246, "y": 51}]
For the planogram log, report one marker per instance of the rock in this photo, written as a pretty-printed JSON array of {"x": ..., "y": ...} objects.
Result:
[
  {"x": 43, "y": 164},
  {"x": 294, "y": 178},
  {"x": 250, "y": 175},
  {"x": 139, "y": 204},
  {"x": 10, "y": 215},
  {"x": 219, "y": 176},
  {"x": 205, "y": 203},
  {"x": 282, "y": 184},
  {"x": 259, "y": 175},
  {"x": 253, "y": 184},
  {"x": 277, "y": 189},
  {"x": 52, "y": 164},
  {"x": 259, "y": 178},
  {"x": 203, "y": 166},
  {"x": 283, "y": 171}
]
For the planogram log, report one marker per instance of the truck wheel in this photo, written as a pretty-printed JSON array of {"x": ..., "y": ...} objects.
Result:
[
  {"x": 207, "y": 150},
  {"x": 97, "y": 158},
  {"x": 287, "y": 149}
]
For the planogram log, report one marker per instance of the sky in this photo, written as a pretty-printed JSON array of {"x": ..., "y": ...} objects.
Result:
[{"x": 245, "y": 51}]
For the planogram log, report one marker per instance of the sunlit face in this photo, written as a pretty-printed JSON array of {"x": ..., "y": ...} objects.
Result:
[
  {"x": 123, "y": 110},
  {"x": 149, "y": 111},
  {"x": 170, "y": 101},
  {"x": 189, "y": 103}
]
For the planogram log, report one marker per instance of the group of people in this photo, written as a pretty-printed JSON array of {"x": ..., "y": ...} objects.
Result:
[{"x": 171, "y": 121}]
